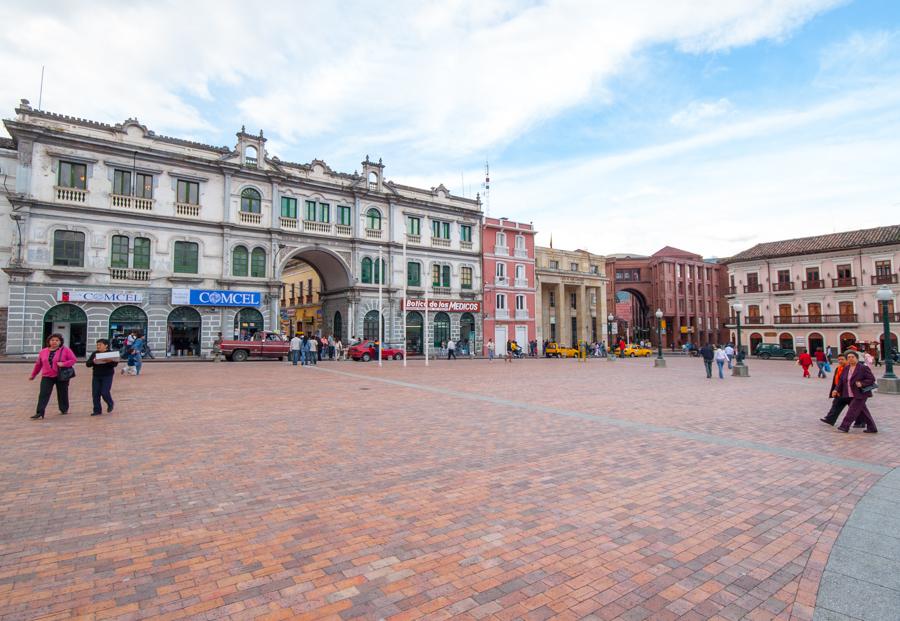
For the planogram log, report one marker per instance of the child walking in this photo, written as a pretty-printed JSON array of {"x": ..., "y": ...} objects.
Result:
[{"x": 104, "y": 372}]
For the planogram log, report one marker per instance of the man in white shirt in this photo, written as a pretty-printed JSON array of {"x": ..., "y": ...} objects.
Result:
[
  {"x": 296, "y": 343},
  {"x": 451, "y": 349},
  {"x": 729, "y": 351}
]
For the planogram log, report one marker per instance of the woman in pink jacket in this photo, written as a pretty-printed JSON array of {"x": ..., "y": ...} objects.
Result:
[{"x": 52, "y": 358}]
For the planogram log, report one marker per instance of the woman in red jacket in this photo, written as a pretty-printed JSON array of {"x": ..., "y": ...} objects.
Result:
[
  {"x": 805, "y": 361},
  {"x": 52, "y": 358}
]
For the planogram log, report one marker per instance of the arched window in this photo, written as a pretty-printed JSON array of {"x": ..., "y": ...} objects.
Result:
[
  {"x": 520, "y": 272},
  {"x": 786, "y": 340},
  {"x": 258, "y": 263},
  {"x": 367, "y": 270},
  {"x": 501, "y": 239},
  {"x": 414, "y": 337},
  {"x": 441, "y": 328},
  {"x": 501, "y": 270},
  {"x": 467, "y": 330},
  {"x": 520, "y": 242},
  {"x": 847, "y": 339},
  {"x": 370, "y": 325},
  {"x": 373, "y": 180},
  {"x": 373, "y": 219},
  {"x": 251, "y": 201},
  {"x": 239, "y": 261},
  {"x": 123, "y": 320},
  {"x": 755, "y": 339},
  {"x": 251, "y": 156},
  {"x": 247, "y": 322}
]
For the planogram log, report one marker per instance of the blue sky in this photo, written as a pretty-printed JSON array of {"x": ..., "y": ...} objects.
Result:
[{"x": 616, "y": 127}]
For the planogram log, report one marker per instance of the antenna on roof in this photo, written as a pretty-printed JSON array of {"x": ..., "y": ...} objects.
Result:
[
  {"x": 41, "y": 92},
  {"x": 487, "y": 188}
]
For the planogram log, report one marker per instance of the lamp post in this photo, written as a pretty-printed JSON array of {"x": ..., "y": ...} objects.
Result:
[
  {"x": 889, "y": 382},
  {"x": 660, "y": 361},
  {"x": 610, "y": 355},
  {"x": 740, "y": 369}
]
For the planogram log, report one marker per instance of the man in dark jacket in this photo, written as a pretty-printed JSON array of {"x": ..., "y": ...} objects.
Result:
[{"x": 708, "y": 355}]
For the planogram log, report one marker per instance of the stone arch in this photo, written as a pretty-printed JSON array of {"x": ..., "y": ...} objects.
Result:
[{"x": 331, "y": 267}]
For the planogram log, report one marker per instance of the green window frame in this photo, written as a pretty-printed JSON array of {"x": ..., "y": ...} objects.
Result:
[
  {"x": 413, "y": 226},
  {"x": 465, "y": 277},
  {"x": 288, "y": 207},
  {"x": 435, "y": 275},
  {"x": 122, "y": 182},
  {"x": 251, "y": 201},
  {"x": 258, "y": 263},
  {"x": 440, "y": 229},
  {"x": 465, "y": 233},
  {"x": 324, "y": 212},
  {"x": 187, "y": 257},
  {"x": 118, "y": 254},
  {"x": 366, "y": 275},
  {"x": 239, "y": 261},
  {"x": 343, "y": 215},
  {"x": 311, "y": 211},
  {"x": 72, "y": 175},
  {"x": 68, "y": 248},
  {"x": 187, "y": 192},
  {"x": 143, "y": 187},
  {"x": 373, "y": 219},
  {"x": 380, "y": 268},
  {"x": 413, "y": 274},
  {"x": 445, "y": 273},
  {"x": 140, "y": 255}
]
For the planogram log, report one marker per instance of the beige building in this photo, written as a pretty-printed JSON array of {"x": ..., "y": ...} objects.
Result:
[
  {"x": 571, "y": 295},
  {"x": 301, "y": 291}
]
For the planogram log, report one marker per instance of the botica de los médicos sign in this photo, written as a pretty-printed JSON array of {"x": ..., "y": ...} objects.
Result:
[{"x": 450, "y": 306}]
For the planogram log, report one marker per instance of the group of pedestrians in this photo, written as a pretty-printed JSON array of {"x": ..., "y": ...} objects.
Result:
[
  {"x": 851, "y": 386},
  {"x": 721, "y": 355},
  {"x": 307, "y": 349}
]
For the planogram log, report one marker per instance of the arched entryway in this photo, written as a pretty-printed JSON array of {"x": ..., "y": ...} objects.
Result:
[
  {"x": 247, "y": 322},
  {"x": 847, "y": 339},
  {"x": 122, "y": 321},
  {"x": 755, "y": 339},
  {"x": 338, "y": 326},
  {"x": 441, "y": 328},
  {"x": 467, "y": 333},
  {"x": 815, "y": 342},
  {"x": 414, "y": 340},
  {"x": 370, "y": 325},
  {"x": 183, "y": 327},
  {"x": 631, "y": 305},
  {"x": 786, "y": 340},
  {"x": 69, "y": 321}
]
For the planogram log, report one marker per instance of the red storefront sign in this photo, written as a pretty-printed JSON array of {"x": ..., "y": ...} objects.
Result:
[{"x": 450, "y": 306}]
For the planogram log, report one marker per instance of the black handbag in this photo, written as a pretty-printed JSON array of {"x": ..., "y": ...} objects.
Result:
[{"x": 65, "y": 374}]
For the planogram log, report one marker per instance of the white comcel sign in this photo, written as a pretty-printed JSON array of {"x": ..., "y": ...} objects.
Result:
[{"x": 110, "y": 297}]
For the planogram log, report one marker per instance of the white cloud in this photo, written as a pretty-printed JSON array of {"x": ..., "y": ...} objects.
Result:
[
  {"x": 698, "y": 112},
  {"x": 443, "y": 77}
]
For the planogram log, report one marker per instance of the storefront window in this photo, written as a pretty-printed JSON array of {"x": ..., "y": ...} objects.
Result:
[{"x": 441, "y": 328}]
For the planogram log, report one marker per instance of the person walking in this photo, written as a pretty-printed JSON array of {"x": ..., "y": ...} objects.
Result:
[
  {"x": 338, "y": 349},
  {"x": 821, "y": 361},
  {"x": 869, "y": 359},
  {"x": 304, "y": 351},
  {"x": 104, "y": 371},
  {"x": 708, "y": 356},
  {"x": 451, "y": 349},
  {"x": 838, "y": 403},
  {"x": 621, "y": 348},
  {"x": 729, "y": 351},
  {"x": 217, "y": 348},
  {"x": 721, "y": 358},
  {"x": 136, "y": 352},
  {"x": 55, "y": 364},
  {"x": 857, "y": 381},
  {"x": 805, "y": 361},
  {"x": 313, "y": 349},
  {"x": 296, "y": 344},
  {"x": 490, "y": 349},
  {"x": 509, "y": 351}
]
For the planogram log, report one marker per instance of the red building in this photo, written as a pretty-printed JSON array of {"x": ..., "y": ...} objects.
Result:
[
  {"x": 681, "y": 284},
  {"x": 508, "y": 275}
]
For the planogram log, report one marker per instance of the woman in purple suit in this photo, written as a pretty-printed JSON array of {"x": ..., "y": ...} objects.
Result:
[{"x": 856, "y": 382}]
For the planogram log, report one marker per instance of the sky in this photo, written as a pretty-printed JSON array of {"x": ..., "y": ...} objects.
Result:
[{"x": 612, "y": 126}]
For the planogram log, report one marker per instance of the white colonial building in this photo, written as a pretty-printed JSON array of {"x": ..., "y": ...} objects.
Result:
[{"x": 115, "y": 227}]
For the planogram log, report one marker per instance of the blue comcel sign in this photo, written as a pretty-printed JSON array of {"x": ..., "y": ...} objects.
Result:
[{"x": 210, "y": 297}]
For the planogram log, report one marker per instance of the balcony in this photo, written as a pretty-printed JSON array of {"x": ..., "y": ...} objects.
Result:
[
  {"x": 502, "y": 251},
  {"x": 814, "y": 284},
  {"x": 246, "y": 217},
  {"x": 844, "y": 283},
  {"x": 782, "y": 287},
  {"x": 71, "y": 195},
  {"x": 122, "y": 201},
  {"x": 847, "y": 318},
  {"x": 289, "y": 223},
  {"x": 521, "y": 283},
  {"x": 126, "y": 273},
  {"x": 894, "y": 318},
  {"x": 465, "y": 245},
  {"x": 522, "y": 253},
  {"x": 250, "y": 162},
  {"x": 521, "y": 313},
  {"x": 884, "y": 279},
  {"x": 343, "y": 230},
  {"x": 731, "y": 291},
  {"x": 440, "y": 242},
  {"x": 503, "y": 281},
  {"x": 753, "y": 288},
  {"x": 440, "y": 290},
  {"x": 501, "y": 313},
  {"x": 413, "y": 239},
  {"x": 187, "y": 210},
  {"x": 373, "y": 233},
  {"x": 754, "y": 321},
  {"x": 311, "y": 226}
]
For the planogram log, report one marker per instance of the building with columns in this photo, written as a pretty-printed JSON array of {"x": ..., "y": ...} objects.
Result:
[
  {"x": 572, "y": 295},
  {"x": 118, "y": 227}
]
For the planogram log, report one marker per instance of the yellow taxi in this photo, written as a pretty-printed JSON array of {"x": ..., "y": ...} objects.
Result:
[
  {"x": 555, "y": 350},
  {"x": 636, "y": 351}
]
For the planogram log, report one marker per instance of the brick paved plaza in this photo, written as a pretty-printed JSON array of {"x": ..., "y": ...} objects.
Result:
[{"x": 467, "y": 490}]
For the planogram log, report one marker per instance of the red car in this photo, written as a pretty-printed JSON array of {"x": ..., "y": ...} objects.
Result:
[{"x": 366, "y": 350}]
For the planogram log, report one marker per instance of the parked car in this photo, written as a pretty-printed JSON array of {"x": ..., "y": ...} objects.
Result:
[
  {"x": 555, "y": 350},
  {"x": 773, "y": 350},
  {"x": 367, "y": 350},
  {"x": 262, "y": 345},
  {"x": 633, "y": 351}
]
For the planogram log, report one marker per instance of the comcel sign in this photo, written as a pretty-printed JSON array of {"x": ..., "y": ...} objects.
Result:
[
  {"x": 110, "y": 297},
  {"x": 209, "y": 297}
]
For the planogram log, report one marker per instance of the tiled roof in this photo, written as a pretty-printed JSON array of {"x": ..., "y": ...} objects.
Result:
[
  {"x": 672, "y": 252},
  {"x": 880, "y": 236}
]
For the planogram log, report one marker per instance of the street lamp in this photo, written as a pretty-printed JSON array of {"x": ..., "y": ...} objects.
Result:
[
  {"x": 610, "y": 352},
  {"x": 889, "y": 382},
  {"x": 660, "y": 361},
  {"x": 740, "y": 369}
]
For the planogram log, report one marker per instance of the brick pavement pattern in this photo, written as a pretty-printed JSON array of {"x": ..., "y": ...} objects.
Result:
[{"x": 542, "y": 489}]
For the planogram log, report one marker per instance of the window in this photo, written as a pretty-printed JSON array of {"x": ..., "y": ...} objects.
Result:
[
  {"x": 465, "y": 277},
  {"x": 520, "y": 242},
  {"x": 188, "y": 192},
  {"x": 501, "y": 270},
  {"x": 812, "y": 274},
  {"x": 440, "y": 229},
  {"x": 440, "y": 275},
  {"x": 445, "y": 275},
  {"x": 501, "y": 301},
  {"x": 846, "y": 310},
  {"x": 343, "y": 214},
  {"x": 371, "y": 272},
  {"x": 72, "y": 175},
  {"x": 251, "y": 202},
  {"x": 118, "y": 256},
  {"x": 784, "y": 276},
  {"x": 595, "y": 269},
  {"x": 68, "y": 248},
  {"x": 552, "y": 299},
  {"x": 143, "y": 187},
  {"x": 373, "y": 219},
  {"x": 122, "y": 182},
  {"x": 501, "y": 239},
  {"x": 367, "y": 270},
  {"x": 240, "y": 260},
  {"x": 573, "y": 300},
  {"x": 882, "y": 268},
  {"x": 678, "y": 270},
  {"x": 413, "y": 226},
  {"x": 186, "y": 257},
  {"x": 465, "y": 233},
  {"x": 288, "y": 207},
  {"x": 140, "y": 258},
  {"x": 573, "y": 267},
  {"x": 784, "y": 311},
  {"x": 844, "y": 271},
  {"x": 258, "y": 263},
  {"x": 370, "y": 326},
  {"x": 554, "y": 265},
  {"x": 324, "y": 212},
  {"x": 413, "y": 274},
  {"x": 520, "y": 272},
  {"x": 311, "y": 211},
  {"x": 814, "y": 309},
  {"x": 319, "y": 213},
  {"x": 753, "y": 281},
  {"x": 520, "y": 302},
  {"x": 441, "y": 328}
]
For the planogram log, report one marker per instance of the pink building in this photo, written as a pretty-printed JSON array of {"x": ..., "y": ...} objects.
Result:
[{"x": 508, "y": 276}]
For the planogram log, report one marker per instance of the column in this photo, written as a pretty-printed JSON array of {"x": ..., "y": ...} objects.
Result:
[
  {"x": 584, "y": 330},
  {"x": 562, "y": 314}
]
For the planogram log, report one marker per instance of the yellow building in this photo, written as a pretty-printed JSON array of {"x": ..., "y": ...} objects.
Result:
[
  {"x": 301, "y": 300},
  {"x": 571, "y": 295}
]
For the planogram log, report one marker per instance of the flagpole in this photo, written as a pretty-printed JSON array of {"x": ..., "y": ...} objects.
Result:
[
  {"x": 380, "y": 305},
  {"x": 403, "y": 303},
  {"x": 425, "y": 339}
]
